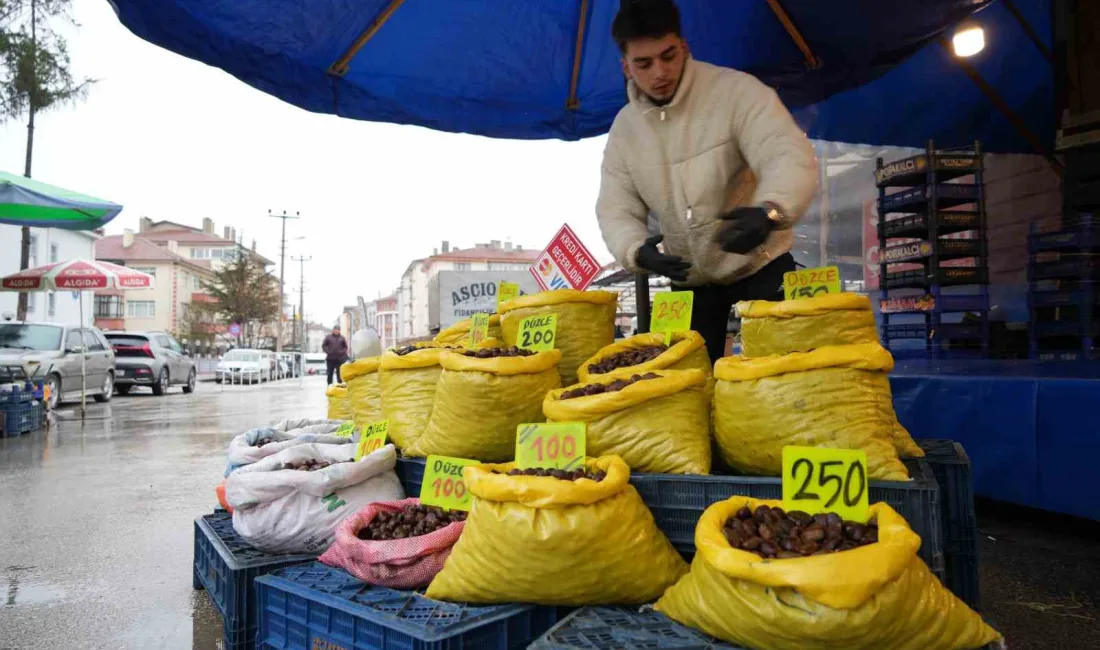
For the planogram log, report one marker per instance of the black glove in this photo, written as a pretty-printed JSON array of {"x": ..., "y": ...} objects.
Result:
[
  {"x": 744, "y": 229},
  {"x": 672, "y": 267}
]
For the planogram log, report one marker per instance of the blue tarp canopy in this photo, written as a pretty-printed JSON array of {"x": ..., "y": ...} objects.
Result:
[{"x": 510, "y": 68}]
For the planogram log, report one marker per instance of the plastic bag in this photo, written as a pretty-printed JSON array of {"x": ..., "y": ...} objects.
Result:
[
  {"x": 876, "y": 596},
  {"x": 307, "y": 425},
  {"x": 339, "y": 408},
  {"x": 832, "y": 397},
  {"x": 480, "y": 402},
  {"x": 364, "y": 391},
  {"x": 688, "y": 350},
  {"x": 408, "y": 392},
  {"x": 243, "y": 449},
  {"x": 538, "y": 539},
  {"x": 408, "y": 563},
  {"x": 459, "y": 333},
  {"x": 655, "y": 425},
  {"x": 805, "y": 324},
  {"x": 281, "y": 510},
  {"x": 586, "y": 323}
]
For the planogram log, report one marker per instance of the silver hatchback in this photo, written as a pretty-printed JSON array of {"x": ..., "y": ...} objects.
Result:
[{"x": 153, "y": 359}]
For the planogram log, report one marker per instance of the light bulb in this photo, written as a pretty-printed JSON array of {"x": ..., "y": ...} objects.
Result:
[{"x": 969, "y": 39}]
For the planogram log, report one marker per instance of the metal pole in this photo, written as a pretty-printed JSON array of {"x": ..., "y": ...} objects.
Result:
[
  {"x": 282, "y": 264},
  {"x": 641, "y": 301},
  {"x": 83, "y": 358}
]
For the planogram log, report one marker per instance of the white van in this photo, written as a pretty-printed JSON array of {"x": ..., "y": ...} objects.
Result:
[{"x": 245, "y": 366}]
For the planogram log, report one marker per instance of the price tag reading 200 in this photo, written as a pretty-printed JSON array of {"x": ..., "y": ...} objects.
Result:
[
  {"x": 537, "y": 333},
  {"x": 550, "y": 445},
  {"x": 817, "y": 479},
  {"x": 443, "y": 485}
]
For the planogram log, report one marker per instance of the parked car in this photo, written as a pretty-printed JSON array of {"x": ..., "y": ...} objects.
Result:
[
  {"x": 153, "y": 359},
  {"x": 290, "y": 364},
  {"x": 315, "y": 363},
  {"x": 53, "y": 354},
  {"x": 245, "y": 365}
]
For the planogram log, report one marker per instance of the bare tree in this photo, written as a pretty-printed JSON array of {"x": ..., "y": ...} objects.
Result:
[{"x": 244, "y": 293}]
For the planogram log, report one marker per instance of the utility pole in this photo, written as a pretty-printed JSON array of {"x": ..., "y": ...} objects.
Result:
[
  {"x": 282, "y": 264},
  {"x": 302, "y": 300},
  {"x": 32, "y": 95}
]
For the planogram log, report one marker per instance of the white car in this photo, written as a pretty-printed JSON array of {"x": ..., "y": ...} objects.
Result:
[{"x": 244, "y": 366}]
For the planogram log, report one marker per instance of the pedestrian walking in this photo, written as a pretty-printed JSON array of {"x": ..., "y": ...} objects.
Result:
[{"x": 335, "y": 348}]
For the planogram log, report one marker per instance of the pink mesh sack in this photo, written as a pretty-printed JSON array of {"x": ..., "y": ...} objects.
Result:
[{"x": 408, "y": 563}]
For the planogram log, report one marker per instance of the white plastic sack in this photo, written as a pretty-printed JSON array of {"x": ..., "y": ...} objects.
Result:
[
  {"x": 290, "y": 511},
  {"x": 242, "y": 449},
  {"x": 308, "y": 425},
  {"x": 365, "y": 343}
]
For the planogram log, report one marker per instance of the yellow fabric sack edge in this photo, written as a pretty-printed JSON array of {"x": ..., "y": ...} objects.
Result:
[
  {"x": 818, "y": 306},
  {"x": 480, "y": 402},
  {"x": 339, "y": 407},
  {"x": 659, "y": 425},
  {"x": 586, "y": 323},
  {"x": 459, "y": 333},
  {"x": 359, "y": 367},
  {"x": 876, "y": 596},
  {"x": 805, "y": 324},
  {"x": 542, "y": 540},
  {"x": 364, "y": 390},
  {"x": 408, "y": 391},
  {"x": 688, "y": 350}
]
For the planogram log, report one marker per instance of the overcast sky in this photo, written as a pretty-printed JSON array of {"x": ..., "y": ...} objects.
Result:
[{"x": 171, "y": 138}]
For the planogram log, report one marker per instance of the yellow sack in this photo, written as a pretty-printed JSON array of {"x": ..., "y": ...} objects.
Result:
[
  {"x": 538, "y": 539},
  {"x": 408, "y": 392},
  {"x": 459, "y": 333},
  {"x": 656, "y": 425},
  {"x": 872, "y": 597},
  {"x": 835, "y": 396},
  {"x": 339, "y": 408},
  {"x": 805, "y": 324},
  {"x": 586, "y": 323},
  {"x": 480, "y": 402},
  {"x": 688, "y": 350},
  {"x": 364, "y": 391}
]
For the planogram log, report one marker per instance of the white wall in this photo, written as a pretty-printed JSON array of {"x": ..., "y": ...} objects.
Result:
[{"x": 66, "y": 245}]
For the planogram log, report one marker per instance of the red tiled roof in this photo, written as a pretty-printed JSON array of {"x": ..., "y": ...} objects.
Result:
[
  {"x": 142, "y": 250},
  {"x": 488, "y": 255},
  {"x": 187, "y": 236}
]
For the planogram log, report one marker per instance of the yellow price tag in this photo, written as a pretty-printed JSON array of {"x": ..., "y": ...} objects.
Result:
[
  {"x": 479, "y": 329},
  {"x": 807, "y": 283},
  {"x": 443, "y": 485},
  {"x": 816, "y": 479},
  {"x": 537, "y": 333},
  {"x": 506, "y": 291},
  {"x": 550, "y": 445},
  {"x": 345, "y": 430},
  {"x": 372, "y": 438},
  {"x": 671, "y": 313}
]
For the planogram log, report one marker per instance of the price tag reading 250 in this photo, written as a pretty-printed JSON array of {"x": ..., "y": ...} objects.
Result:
[
  {"x": 537, "y": 333},
  {"x": 443, "y": 485},
  {"x": 671, "y": 313},
  {"x": 550, "y": 445},
  {"x": 817, "y": 479}
]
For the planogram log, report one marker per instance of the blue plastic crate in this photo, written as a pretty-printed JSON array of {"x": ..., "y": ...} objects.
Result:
[
  {"x": 951, "y": 467},
  {"x": 316, "y": 606},
  {"x": 225, "y": 565},
  {"x": 621, "y": 628},
  {"x": 17, "y": 418},
  {"x": 16, "y": 396},
  {"x": 677, "y": 501},
  {"x": 411, "y": 473}
]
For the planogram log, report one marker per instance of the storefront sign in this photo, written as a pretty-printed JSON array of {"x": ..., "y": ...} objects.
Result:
[
  {"x": 537, "y": 333},
  {"x": 908, "y": 303},
  {"x": 565, "y": 263},
  {"x": 901, "y": 168},
  {"x": 454, "y": 296},
  {"x": 807, "y": 283},
  {"x": 443, "y": 484},
  {"x": 957, "y": 162},
  {"x": 817, "y": 479},
  {"x": 905, "y": 252},
  {"x": 479, "y": 329},
  {"x": 551, "y": 445},
  {"x": 372, "y": 438},
  {"x": 671, "y": 313}
]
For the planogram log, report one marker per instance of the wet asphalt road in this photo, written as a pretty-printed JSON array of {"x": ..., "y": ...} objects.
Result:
[{"x": 96, "y": 533}]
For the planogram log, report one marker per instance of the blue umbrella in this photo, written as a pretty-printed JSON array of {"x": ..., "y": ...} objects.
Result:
[{"x": 530, "y": 69}]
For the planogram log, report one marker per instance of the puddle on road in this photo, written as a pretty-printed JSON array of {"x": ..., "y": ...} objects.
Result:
[{"x": 22, "y": 589}]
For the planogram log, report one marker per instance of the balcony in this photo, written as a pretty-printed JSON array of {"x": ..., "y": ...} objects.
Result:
[{"x": 199, "y": 296}]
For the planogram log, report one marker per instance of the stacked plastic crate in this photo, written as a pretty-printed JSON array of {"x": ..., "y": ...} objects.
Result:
[
  {"x": 20, "y": 411},
  {"x": 1064, "y": 292},
  {"x": 933, "y": 255}
]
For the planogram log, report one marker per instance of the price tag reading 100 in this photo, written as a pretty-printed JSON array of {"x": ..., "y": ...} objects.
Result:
[
  {"x": 817, "y": 480},
  {"x": 371, "y": 438},
  {"x": 537, "y": 333},
  {"x": 443, "y": 485},
  {"x": 550, "y": 445}
]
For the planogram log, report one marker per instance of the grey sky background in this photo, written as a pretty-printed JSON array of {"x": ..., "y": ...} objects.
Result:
[{"x": 171, "y": 138}]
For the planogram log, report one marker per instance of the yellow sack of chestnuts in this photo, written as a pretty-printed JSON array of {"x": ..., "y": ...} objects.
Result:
[
  {"x": 408, "y": 391},
  {"x": 836, "y": 396},
  {"x": 688, "y": 350},
  {"x": 339, "y": 408},
  {"x": 881, "y": 595},
  {"x": 539, "y": 539},
  {"x": 364, "y": 391},
  {"x": 658, "y": 425},
  {"x": 479, "y": 402},
  {"x": 459, "y": 333},
  {"x": 805, "y": 324}
]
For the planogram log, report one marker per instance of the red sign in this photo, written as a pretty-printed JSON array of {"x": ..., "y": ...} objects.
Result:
[
  {"x": 907, "y": 304},
  {"x": 565, "y": 263}
]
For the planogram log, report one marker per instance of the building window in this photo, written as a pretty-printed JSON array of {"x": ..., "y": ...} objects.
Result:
[
  {"x": 32, "y": 298},
  {"x": 462, "y": 266},
  {"x": 54, "y": 253},
  {"x": 141, "y": 308},
  {"x": 151, "y": 270},
  {"x": 196, "y": 283},
  {"x": 108, "y": 306},
  {"x": 200, "y": 253},
  {"x": 33, "y": 258},
  {"x": 51, "y": 298}
]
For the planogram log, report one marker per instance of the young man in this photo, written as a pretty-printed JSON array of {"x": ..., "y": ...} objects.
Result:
[
  {"x": 335, "y": 347},
  {"x": 710, "y": 152}
]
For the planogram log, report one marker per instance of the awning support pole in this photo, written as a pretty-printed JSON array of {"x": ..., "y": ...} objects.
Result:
[
  {"x": 340, "y": 67},
  {"x": 1029, "y": 30},
  {"x": 641, "y": 301},
  {"x": 582, "y": 25},
  {"x": 785, "y": 19}
]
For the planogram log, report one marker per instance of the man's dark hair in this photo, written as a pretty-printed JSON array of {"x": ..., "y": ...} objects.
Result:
[{"x": 644, "y": 19}]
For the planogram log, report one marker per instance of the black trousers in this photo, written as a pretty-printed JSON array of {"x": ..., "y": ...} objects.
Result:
[
  {"x": 711, "y": 304},
  {"x": 333, "y": 366}
]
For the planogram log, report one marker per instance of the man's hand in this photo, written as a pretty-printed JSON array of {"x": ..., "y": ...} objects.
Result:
[
  {"x": 671, "y": 266},
  {"x": 744, "y": 229}
]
